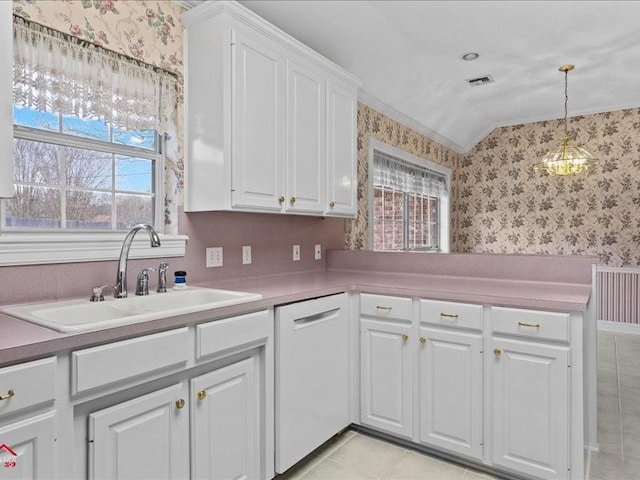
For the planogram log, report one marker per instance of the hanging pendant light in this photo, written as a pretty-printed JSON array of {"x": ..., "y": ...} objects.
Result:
[{"x": 567, "y": 159}]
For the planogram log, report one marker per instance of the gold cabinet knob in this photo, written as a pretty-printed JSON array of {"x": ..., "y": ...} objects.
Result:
[
  {"x": 293, "y": 200},
  {"x": 332, "y": 204},
  {"x": 405, "y": 337},
  {"x": 281, "y": 199},
  {"x": 202, "y": 395},
  {"x": 497, "y": 352},
  {"x": 423, "y": 340},
  {"x": 180, "y": 403},
  {"x": 7, "y": 395}
]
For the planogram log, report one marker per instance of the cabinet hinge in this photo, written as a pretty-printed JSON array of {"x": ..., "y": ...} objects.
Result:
[{"x": 233, "y": 44}]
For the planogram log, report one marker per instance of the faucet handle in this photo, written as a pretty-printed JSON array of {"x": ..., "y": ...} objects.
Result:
[{"x": 142, "y": 285}]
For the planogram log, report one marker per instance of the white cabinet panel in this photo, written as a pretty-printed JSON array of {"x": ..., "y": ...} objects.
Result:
[
  {"x": 30, "y": 384},
  {"x": 342, "y": 183},
  {"x": 305, "y": 167},
  {"x": 6, "y": 115},
  {"x": 451, "y": 391},
  {"x": 32, "y": 440},
  {"x": 226, "y": 423},
  {"x": 386, "y": 376},
  {"x": 257, "y": 123},
  {"x": 147, "y": 437},
  {"x": 530, "y": 414},
  {"x": 312, "y": 376}
]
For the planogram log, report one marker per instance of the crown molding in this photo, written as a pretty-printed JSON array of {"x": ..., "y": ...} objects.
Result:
[{"x": 407, "y": 121}]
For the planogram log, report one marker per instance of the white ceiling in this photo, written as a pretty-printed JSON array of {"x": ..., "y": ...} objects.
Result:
[{"x": 407, "y": 54}]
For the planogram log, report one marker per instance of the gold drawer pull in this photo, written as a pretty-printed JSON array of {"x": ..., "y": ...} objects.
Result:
[
  {"x": 382, "y": 307},
  {"x": 497, "y": 352},
  {"x": 281, "y": 199},
  {"x": 423, "y": 340},
  {"x": 293, "y": 200},
  {"x": 532, "y": 325},
  {"x": 7, "y": 395},
  {"x": 180, "y": 403},
  {"x": 332, "y": 204},
  {"x": 405, "y": 337},
  {"x": 449, "y": 315},
  {"x": 202, "y": 395}
]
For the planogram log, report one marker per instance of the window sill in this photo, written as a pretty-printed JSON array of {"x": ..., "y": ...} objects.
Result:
[{"x": 27, "y": 248}]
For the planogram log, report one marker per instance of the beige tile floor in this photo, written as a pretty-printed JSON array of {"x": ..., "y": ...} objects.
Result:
[
  {"x": 356, "y": 456},
  {"x": 618, "y": 408}
]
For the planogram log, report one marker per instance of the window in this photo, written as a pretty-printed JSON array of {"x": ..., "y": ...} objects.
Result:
[
  {"x": 88, "y": 127},
  {"x": 410, "y": 208}
]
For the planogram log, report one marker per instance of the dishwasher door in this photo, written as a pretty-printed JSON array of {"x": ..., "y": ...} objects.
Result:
[{"x": 312, "y": 376}]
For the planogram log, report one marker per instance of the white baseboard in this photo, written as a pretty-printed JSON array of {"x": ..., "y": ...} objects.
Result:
[{"x": 619, "y": 327}]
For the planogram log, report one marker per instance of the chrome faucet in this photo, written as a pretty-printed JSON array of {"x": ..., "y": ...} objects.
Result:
[{"x": 121, "y": 278}]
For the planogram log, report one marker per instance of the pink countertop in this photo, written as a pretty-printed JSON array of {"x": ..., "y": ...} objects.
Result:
[{"x": 21, "y": 340}]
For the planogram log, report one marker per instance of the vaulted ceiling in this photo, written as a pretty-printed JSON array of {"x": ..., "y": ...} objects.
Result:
[{"x": 408, "y": 56}]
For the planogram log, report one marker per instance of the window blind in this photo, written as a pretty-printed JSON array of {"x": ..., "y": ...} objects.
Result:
[{"x": 397, "y": 174}]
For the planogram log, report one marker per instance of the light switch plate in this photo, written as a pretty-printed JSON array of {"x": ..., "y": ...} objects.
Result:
[
  {"x": 246, "y": 254},
  {"x": 214, "y": 257},
  {"x": 318, "y": 252},
  {"x": 296, "y": 253}
]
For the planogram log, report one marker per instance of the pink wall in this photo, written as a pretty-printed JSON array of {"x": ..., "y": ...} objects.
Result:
[{"x": 271, "y": 238}]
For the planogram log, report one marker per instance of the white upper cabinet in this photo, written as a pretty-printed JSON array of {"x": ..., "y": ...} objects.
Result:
[
  {"x": 6, "y": 115},
  {"x": 270, "y": 124},
  {"x": 256, "y": 114}
]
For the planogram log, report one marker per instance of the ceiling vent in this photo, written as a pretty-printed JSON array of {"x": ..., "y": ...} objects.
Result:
[{"x": 478, "y": 81}]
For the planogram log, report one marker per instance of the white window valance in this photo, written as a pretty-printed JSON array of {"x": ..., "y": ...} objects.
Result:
[
  {"x": 392, "y": 172},
  {"x": 59, "y": 73}
]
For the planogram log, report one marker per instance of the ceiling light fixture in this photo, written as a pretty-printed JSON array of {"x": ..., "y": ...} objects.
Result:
[
  {"x": 566, "y": 159},
  {"x": 470, "y": 56}
]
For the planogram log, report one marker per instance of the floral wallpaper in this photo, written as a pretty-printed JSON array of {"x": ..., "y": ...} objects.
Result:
[
  {"x": 372, "y": 123},
  {"x": 150, "y": 31},
  {"x": 502, "y": 206}
]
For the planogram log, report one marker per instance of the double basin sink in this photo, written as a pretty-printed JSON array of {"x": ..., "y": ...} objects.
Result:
[{"x": 81, "y": 315}]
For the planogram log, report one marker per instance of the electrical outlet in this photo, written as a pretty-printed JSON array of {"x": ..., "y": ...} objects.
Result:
[
  {"x": 318, "y": 252},
  {"x": 296, "y": 253},
  {"x": 246, "y": 254},
  {"x": 214, "y": 257}
]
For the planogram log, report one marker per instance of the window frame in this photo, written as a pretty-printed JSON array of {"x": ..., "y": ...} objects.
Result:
[
  {"x": 79, "y": 142},
  {"x": 444, "y": 203}
]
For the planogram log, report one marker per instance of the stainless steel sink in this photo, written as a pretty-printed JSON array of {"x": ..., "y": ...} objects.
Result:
[{"x": 82, "y": 315}]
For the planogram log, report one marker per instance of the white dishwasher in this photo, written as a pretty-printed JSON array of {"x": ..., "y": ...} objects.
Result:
[{"x": 312, "y": 376}]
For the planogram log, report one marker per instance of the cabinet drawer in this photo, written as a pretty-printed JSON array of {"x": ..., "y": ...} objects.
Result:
[
  {"x": 451, "y": 314},
  {"x": 530, "y": 323},
  {"x": 230, "y": 333},
  {"x": 383, "y": 306},
  {"x": 27, "y": 384},
  {"x": 97, "y": 366}
]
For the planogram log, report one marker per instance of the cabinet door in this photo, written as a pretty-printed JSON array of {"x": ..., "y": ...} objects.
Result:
[
  {"x": 530, "y": 408},
  {"x": 305, "y": 159},
  {"x": 226, "y": 423},
  {"x": 6, "y": 116},
  {"x": 32, "y": 442},
  {"x": 451, "y": 390},
  {"x": 342, "y": 181},
  {"x": 257, "y": 123},
  {"x": 386, "y": 391},
  {"x": 147, "y": 437}
]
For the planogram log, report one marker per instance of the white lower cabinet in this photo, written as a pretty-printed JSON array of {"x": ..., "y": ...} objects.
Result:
[
  {"x": 33, "y": 442},
  {"x": 147, "y": 437},
  {"x": 450, "y": 382},
  {"x": 226, "y": 427},
  {"x": 530, "y": 408},
  {"x": 386, "y": 376}
]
